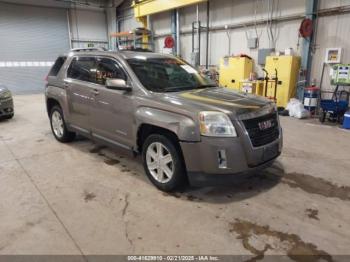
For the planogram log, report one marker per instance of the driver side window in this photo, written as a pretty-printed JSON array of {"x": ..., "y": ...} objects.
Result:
[{"x": 108, "y": 68}]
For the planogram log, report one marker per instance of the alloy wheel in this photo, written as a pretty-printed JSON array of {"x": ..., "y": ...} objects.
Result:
[
  {"x": 57, "y": 124},
  {"x": 160, "y": 162}
]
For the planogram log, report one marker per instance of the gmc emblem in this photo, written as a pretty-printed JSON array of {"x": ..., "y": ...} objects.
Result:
[{"x": 265, "y": 125}]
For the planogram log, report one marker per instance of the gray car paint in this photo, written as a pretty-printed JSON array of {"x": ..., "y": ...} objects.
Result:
[
  {"x": 115, "y": 116},
  {"x": 5, "y": 103}
]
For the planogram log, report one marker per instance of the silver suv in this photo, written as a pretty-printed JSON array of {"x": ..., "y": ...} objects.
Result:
[{"x": 185, "y": 127}]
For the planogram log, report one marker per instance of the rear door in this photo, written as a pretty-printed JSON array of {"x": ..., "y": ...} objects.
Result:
[
  {"x": 79, "y": 85},
  {"x": 111, "y": 110}
]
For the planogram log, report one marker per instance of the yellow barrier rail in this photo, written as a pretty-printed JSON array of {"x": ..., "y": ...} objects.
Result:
[{"x": 149, "y": 7}]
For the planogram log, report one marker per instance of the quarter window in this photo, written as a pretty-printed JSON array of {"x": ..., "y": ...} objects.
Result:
[
  {"x": 83, "y": 68},
  {"x": 57, "y": 65},
  {"x": 108, "y": 68}
]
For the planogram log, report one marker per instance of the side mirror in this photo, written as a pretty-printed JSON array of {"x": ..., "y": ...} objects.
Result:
[{"x": 117, "y": 84}]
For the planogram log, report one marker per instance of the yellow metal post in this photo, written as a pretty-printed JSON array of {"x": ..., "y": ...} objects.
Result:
[{"x": 143, "y": 21}]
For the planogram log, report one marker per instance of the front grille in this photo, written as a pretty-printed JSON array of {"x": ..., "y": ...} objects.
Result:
[{"x": 260, "y": 131}]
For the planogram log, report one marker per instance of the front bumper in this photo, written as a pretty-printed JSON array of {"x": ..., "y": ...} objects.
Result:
[
  {"x": 204, "y": 159},
  {"x": 6, "y": 107}
]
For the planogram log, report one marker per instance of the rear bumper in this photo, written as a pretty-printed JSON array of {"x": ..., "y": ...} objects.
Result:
[
  {"x": 204, "y": 159},
  {"x": 6, "y": 107}
]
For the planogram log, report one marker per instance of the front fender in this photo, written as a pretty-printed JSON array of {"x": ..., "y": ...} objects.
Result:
[{"x": 183, "y": 126}]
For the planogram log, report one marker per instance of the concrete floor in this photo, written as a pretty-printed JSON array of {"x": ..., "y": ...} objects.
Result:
[{"x": 80, "y": 199}]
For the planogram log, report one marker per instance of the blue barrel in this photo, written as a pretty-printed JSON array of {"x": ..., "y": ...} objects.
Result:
[
  {"x": 346, "y": 123},
  {"x": 311, "y": 95}
]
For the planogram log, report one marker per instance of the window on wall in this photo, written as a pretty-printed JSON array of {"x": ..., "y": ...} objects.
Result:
[
  {"x": 108, "y": 68},
  {"x": 83, "y": 68}
]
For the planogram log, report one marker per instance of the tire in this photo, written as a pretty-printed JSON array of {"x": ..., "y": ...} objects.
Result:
[
  {"x": 322, "y": 117},
  {"x": 170, "y": 174},
  {"x": 59, "y": 129},
  {"x": 9, "y": 116}
]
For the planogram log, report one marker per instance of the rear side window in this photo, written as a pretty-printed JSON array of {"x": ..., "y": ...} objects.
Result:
[
  {"x": 57, "y": 65},
  {"x": 83, "y": 68}
]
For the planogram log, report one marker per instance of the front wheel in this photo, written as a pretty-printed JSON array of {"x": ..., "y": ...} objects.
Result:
[
  {"x": 322, "y": 116},
  {"x": 9, "y": 116},
  {"x": 58, "y": 126},
  {"x": 163, "y": 162}
]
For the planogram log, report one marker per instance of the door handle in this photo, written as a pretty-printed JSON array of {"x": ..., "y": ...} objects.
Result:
[
  {"x": 95, "y": 92},
  {"x": 66, "y": 85}
]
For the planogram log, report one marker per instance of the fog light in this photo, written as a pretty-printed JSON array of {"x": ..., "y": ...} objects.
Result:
[{"x": 222, "y": 159}]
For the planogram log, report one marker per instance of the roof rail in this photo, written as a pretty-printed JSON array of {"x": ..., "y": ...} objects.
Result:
[{"x": 88, "y": 49}]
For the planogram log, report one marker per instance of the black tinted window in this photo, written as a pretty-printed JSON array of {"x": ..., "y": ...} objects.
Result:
[
  {"x": 57, "y": 65},
  {"x": 108, "y": 68},
  {"x": 83, "y": 68}
]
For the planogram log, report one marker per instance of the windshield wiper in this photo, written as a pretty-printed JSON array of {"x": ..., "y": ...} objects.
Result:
[
  {"x": 181, "y": 88},
  {"x": 206, "y": 86},
  {"x": 184, "y": 88}
]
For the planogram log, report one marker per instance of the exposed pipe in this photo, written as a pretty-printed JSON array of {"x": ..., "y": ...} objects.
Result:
[
  {"x": 207, "y": 47},
  {"x": 198, "y": 35},
  {"x": 300, "y": 16},
  {"x": 178, "y": 40},
  {"x": 173, "y": 29},
  {"x": 69, "y": 30},
  {"x": 311, "y": 12}
]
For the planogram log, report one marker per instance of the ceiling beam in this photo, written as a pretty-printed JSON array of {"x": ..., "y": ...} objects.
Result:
[{"x": 150, "y": 7}]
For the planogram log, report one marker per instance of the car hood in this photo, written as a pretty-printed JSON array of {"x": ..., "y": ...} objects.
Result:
[
  {"x": 3, "y": 88},
  {"x": 218, "y": 99}
]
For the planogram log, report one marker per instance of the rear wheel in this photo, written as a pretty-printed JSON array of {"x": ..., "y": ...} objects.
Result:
[
  {"x": 163, "y": 162},
  {"x": 58, "y": 126}
]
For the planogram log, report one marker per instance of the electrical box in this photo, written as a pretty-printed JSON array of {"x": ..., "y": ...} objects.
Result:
[
  {"x": 233, "y": 70},
  {"x": 341, "y": 75},
  {"x": 252, "y": 42},
  {"x": 333, "y": 55},
  {"x": 288, "y": 68}
]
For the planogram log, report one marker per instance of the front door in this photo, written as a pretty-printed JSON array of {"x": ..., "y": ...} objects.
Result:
[{"x": 111, "y": 110}]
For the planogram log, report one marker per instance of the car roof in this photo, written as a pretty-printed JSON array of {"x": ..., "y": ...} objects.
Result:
[{"x": 122, "y": 54}]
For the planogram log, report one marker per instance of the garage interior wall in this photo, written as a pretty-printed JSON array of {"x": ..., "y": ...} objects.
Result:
[
  {"x": 31, "y": 39},
  {"x": 33, "y": 36},
  {"x": 332, "y": 30},
  {"x": 88, "y": 28},
  {"x": 125, "y": 17}
]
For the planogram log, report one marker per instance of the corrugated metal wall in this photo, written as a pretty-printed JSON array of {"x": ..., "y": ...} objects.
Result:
[
  {"x": 88, "y": 27},
  {"x": 31, "y": 39},
  {"x": 333, "y": 31}
]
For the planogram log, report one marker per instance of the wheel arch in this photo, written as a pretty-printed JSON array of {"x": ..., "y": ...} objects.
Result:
[
  {"x": 179, "y": 127},
  {"x": 145, "y": 130},
  {"x": 50, "y": 103}
]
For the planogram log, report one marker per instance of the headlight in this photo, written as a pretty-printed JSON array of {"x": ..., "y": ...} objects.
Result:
[
  {"x": 5, "y": 95},
  {"x": 216, "y": 124}
]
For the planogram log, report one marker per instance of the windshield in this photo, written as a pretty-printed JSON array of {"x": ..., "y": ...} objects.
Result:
[{"x": 167, "y": 74}]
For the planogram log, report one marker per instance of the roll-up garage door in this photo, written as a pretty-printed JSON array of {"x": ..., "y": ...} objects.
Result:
[{"x": 31, "y": 38}]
